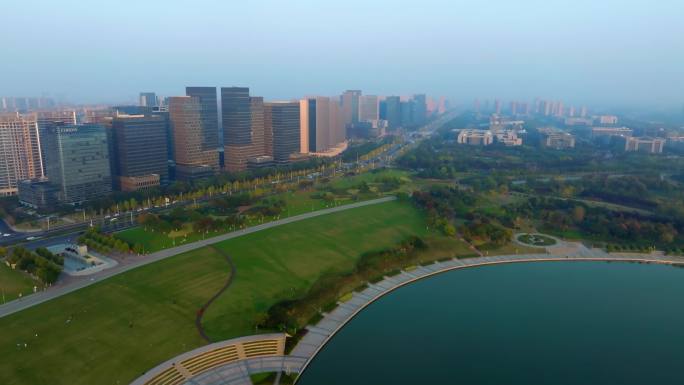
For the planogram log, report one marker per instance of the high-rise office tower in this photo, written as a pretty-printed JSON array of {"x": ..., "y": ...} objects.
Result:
[
  {"x": 51, "y": 118},
  {"x": 560, "y": 110},
  {"x": 338, "y": 132},
  {"x": 236, "y": 107},
  {"x": 497, "y": 106},
  {"x": 77, "y": 160},
  {"x": 419, "y": 113},
  {"x": 140, "y": 156},
  {"x": 262, "y": 140},
  {"x": 208, "y": 115},
  {"x": 315, "y": 124},
  {"x": 245, "y": 135},
  {"x": 350, "y": 106},
  {"x": 192, "y": 160},
  {"x": 322, "y": 124},
  {"x": 283, "y": 120},
  {"x": 442, "y": 107},
  {"x": 382, "y": 109},
  {"x": 20, "y": 154},
  {"x": 393, "y": 111},
  {"x": 148, "y": 99},
  {"x": 369, "y": 108},
  {"x": 406, "y": 113}
]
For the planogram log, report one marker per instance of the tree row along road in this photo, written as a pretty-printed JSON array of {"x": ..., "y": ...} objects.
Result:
[{"x": 44, "y": 296}]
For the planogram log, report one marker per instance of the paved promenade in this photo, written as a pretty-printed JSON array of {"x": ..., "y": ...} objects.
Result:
[
  {"x": 44, "y": 296},
  {"x": 318, "y": 335}
]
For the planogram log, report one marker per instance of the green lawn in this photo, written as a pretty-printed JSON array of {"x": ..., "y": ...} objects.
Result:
[
  {"x": 111, "y": 332},
  {"x": 14, "y": 282},
  {"x": 282, "y": 262}
]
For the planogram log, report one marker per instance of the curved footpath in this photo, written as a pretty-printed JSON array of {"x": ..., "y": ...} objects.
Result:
[
  {"x": 317, "y": 336},
  {"x": 229, "y": 281},
  {"x": 44, "y": 296},
  {"x": 237, "y": 373}
]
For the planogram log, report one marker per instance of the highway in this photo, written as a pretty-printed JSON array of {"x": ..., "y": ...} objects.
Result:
[{"x": 58, "y": 291}]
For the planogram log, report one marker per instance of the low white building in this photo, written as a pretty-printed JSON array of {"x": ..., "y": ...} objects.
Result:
[{"x": 475, "y": 137}]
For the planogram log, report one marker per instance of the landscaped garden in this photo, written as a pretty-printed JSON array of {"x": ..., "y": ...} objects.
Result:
[
  {"x": 537, "y": 240},
  {"x": 113, "y": 331}
]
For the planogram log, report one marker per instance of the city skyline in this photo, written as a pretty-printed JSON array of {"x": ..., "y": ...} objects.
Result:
[{"x": 526, "y": 49}]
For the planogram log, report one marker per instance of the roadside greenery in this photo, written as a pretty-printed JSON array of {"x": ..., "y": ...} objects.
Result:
[
  {"x": 40, "y": 263},
  {"x": 106, "y": 243}
]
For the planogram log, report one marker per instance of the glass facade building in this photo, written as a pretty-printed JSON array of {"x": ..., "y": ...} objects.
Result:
[
  {"x": 77, "y": 162},
  {"x": 208, "y": 115},
  {"x": 140, "y": 148}
]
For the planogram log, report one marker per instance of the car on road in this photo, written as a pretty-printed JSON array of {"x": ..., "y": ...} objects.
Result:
[
  {"x": 6, "y": 235},
  {"x": 31, "y": 238}
]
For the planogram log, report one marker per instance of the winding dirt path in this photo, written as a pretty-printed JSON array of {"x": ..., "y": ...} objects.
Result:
[{"x": 203, "y": 309}]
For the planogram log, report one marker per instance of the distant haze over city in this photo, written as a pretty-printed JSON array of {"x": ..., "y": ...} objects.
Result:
[{"x": 611, "y": 52}]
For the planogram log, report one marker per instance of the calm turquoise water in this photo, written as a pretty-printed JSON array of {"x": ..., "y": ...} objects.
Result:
[{"x": 587, "y": 323}]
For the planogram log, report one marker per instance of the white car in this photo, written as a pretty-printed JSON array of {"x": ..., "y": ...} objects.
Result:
[
  {"x": 31, "y": 238},
  {"x": 7, "y": 235}
]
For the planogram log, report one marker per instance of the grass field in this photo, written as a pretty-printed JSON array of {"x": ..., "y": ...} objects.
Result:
[
  {"x": 514, "y": 248},
  {"x": 282, "y": 262},
  {"x": 14, "y": 282},
  {"x": 111, "y": 332}
]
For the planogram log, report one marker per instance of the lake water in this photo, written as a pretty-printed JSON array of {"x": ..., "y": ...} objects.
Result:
[{"x": 556, "y": 323}]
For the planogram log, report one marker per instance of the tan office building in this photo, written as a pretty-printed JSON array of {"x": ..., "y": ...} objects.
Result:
[
  {"x": 321, "y": 124},
  {"x": 192, "y": 160},
  {"x": 20, "y": 154},
  {"x": 259, "y": 144},
  {"x": 369, "y": 108}
]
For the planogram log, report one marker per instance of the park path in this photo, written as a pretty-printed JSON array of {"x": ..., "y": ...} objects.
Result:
[
  {"x": 203, "y": 309},
  {"x": 238, "y": 373},
  {"x": 56, "y": 292},
  {"x": 318, "y": 335}
]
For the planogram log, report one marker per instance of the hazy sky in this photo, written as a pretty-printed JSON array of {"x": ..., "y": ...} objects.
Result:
[{"x": 593, "y": 51}]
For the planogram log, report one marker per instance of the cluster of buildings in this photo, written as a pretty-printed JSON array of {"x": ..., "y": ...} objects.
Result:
[
  {"x": 647, "y": 144},
  {"x": 50, "y": 156},
  {"x": 601, "y": 129},
  {"x": 501, "y": 130},
  {"x": 542, "y": 107},
  {"x": 8, "y": 104}
]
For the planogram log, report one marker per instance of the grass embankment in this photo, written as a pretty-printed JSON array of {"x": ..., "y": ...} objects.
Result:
[
  {"x": 282, "y": 263},
  {"x": 111, "y": 332},
  {"x": 13, "y": 283}
]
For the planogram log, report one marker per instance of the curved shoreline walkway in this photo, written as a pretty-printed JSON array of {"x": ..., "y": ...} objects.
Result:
[
  {"x": 318, "y": 335},
  {"x": 44, "y": 296}
]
